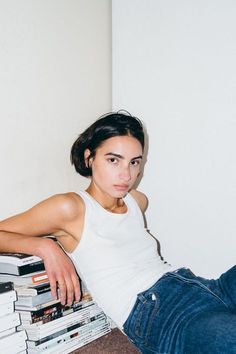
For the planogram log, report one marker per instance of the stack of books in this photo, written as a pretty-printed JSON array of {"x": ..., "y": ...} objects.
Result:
[
  {"x": 11, "y": 342},
  {"x": 50, "y": 326}
]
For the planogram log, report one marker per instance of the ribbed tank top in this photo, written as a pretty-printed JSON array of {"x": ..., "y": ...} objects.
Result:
[{"x": 116, "y": 258}]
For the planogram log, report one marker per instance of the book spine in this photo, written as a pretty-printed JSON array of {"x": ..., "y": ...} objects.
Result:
[
  {"x": 29, "y": 301},
  {"x": 37, "y": 307},
  {"x": 31, "y": 268},
  {"x": 38, "y": 315},
  {"x": 18, "y": 258},
  {"x": 25, "y": 280},
  {"x": 50, "y": 313},
  {"x": 45, "y": 319},
  {"x": 62, "y": 328},
  {"x": 74, "y": 316},
  {"x": 89, "y": 330},
  {"x": 67, "y": 330},
  {"x": 12, "y": 269},
  {"x": 32, "y": 291}
]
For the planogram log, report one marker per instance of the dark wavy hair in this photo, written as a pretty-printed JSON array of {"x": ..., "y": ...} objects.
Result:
[{"x": 107, "y": 126}]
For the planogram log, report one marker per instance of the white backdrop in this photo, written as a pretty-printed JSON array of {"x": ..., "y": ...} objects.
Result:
[
  {"x": 174, "y": 67},
  {"x": 55, "y": 79}
]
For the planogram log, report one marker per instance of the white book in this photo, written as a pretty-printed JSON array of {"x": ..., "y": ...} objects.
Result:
[
  {"x": 35, "y": 308},
  {"x": 19, "y": 263},
  {"x": 76, "y": 343},
  {"x": 17, "y": 345},
  {"x": 9, "y": 321},
  {"x": 27, "y": 280},
  {"x": 65, "y": 348},
  {"x": 72, "y": 317},
  {"x": 7, "y": 332},
  {"x": 17, "y": 348},
  {"x": 6, "y": 308},
  {"x": 30, "y": 301},
  {"x": 18, "y": 259},
  {"x": 52, "y": 312},
  {"x": 67, "y": 334},
  {"x": 35, "y": 290},
  {"x": 7, "y": 297},
  {"x": 69, "y": 346},
  {"x": 13, "y": 339},
  {"x": 58, "y": 325}
]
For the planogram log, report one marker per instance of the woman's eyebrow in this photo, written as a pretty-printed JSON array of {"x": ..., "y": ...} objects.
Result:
[
  {"x": 137, "y": 157},
  {"x": 122, "y": 157}
]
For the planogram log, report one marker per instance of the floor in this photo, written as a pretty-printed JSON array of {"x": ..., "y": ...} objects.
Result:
[{"x": 113, "y": 343}]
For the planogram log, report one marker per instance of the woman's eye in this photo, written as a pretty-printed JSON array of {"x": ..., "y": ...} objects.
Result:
[
  {"x": 113, "y": 160},
  {"x": 135, "y": 163}
]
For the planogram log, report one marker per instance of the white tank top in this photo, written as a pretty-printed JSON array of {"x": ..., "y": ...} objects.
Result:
[{"x": 116, "y": 258}]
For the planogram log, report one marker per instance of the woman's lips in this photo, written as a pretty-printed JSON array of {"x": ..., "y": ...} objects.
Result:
[{"x": 121, "y": 187}]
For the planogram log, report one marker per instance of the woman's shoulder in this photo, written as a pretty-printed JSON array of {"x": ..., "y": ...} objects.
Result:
[
  {"x": 140, "y": 198},
  {"x": 69, "y": 204}
]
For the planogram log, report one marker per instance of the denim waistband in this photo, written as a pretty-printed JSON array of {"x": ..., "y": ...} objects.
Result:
[{"x": 186, "y": 275}]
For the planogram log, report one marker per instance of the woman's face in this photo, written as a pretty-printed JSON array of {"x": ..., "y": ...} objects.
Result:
[{"x": 116, "y": 165}]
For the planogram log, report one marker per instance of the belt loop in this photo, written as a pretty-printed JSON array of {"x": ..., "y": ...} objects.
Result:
[{"x": 142, "y": 298}]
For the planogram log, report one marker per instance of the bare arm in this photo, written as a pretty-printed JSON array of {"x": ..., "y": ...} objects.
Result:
[{"x": 21, "y": 232}]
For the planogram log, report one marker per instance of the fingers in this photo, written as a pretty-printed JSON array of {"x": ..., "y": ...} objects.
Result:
[
  {"x": 53, "y": 283},
  {"x": 66, "y": 287},
  {"x": 71, "y": 289},
  {"x": 53, "y": 286},
  {"x": 63, "y": 279},
  {"x": 62, "y": 291},
  {"x": 77, "y": 289}
]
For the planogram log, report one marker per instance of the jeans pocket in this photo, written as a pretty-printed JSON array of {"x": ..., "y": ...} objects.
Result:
[{"x": 144, "y": 323}]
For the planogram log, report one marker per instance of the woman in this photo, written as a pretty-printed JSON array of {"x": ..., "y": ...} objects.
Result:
[{"x": 162, "y": 309}]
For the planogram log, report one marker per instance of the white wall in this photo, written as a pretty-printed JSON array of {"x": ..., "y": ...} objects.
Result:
[
  {"x": 174, "y": 66},
  {"x": 55, "y": 79}
]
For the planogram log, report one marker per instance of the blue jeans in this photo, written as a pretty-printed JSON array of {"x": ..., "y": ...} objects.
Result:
[{"x": 182, "y": 313}]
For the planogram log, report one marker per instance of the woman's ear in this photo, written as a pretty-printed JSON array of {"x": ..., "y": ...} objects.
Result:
[{"x": 87, "y": 154}]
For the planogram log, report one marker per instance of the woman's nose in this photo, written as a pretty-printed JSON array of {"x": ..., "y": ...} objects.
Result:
[{"x": 125, "y": 174}]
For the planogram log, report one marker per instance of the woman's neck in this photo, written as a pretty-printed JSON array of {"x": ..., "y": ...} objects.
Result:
[{"x": 114, "y": 205}]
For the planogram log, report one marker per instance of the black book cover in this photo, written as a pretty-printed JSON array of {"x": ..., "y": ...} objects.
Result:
[
  {"x": 31, "y": 268},
  {"x": 6, "y": 286}
]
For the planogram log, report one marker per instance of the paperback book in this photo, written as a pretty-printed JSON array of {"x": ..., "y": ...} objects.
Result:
[
  {"x": 30, "y": 301},
  {"x": 90, "y": 330},
  {"x": 32, "y": 290},
  {"x": 81, "y": 327},
  {"x": 13, "y": 340},
  {"x": 19, "y": 263},
  {"x": 52, "y": 312},
  {"x": 36, "y": 332},
  {"x": 8, "y": 296},
  {"x": 37, "y": 307},
  {"x": 7, "y": 332},
  {"x": 9, "y": 321},
  {"x": 73, "y": 344},
  {"x": 6, "y": 308},
  {"x": 26, "y": 280}
]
